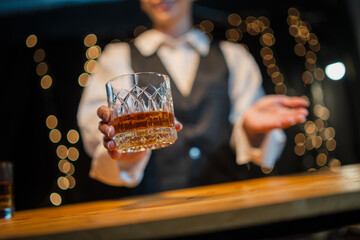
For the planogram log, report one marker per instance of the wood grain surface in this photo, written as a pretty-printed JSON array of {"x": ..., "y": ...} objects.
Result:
[{"x": 195, "y": 210}]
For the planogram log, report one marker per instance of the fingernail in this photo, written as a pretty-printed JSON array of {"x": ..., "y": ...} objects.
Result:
[
  {"x": 110, "y": 145},
  {"x": 105, "y": 116},
  {"x": 109, "y": 131},
  {"x": 178, "y": 126}
]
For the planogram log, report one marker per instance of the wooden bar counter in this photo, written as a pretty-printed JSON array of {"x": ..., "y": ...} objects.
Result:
[{"x": 193, "y": 211}]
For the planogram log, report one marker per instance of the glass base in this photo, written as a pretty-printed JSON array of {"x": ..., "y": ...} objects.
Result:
[{"x": 145, "y": 139}]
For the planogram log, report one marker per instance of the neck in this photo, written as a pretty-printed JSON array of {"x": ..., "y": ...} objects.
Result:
[{"x": 175, "y": 28}]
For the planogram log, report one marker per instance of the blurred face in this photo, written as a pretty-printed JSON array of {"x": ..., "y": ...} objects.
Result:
[{"x": 164, "y": 12}]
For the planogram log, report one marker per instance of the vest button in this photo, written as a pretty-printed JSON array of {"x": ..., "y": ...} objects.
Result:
[{"x": 194, "y": 153}]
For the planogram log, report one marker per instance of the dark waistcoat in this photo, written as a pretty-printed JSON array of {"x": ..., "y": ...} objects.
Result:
[{"x": 201, "y": 155}]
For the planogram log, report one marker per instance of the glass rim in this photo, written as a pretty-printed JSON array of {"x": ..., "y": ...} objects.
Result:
[{"x": 137, "y": 73}]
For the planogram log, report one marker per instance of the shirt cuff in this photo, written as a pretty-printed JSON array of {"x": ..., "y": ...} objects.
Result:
[
  {"x": 117, "y": 172},
  {"x": 265, "y": 155}
]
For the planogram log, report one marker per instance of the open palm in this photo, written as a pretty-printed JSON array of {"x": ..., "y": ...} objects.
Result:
[{"x": 275, "y": 111}]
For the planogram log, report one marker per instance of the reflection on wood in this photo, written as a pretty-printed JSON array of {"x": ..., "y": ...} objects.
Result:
[{"x": 196, "y": 210}]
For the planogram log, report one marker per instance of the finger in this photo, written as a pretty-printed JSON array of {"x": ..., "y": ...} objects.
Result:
[
  {"x": 178, "y": 125},
  {"x": 295, "y": 102},
  {"x": 287, "y": 122},
  {"x": 292, "y": 120},
  {"x": 104, "y": 113},
  {"x": 107, "y": 129},
  {"x": 297, "y": 112},
  {"x": 109, "y": 144},
  {"x": 115, "y": 154},
  {"x": 295, "y": 116},
  {"x": 128, "y": 156}
]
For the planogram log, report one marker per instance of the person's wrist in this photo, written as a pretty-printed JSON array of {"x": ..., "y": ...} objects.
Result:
[{"x": 255, "y": 137}]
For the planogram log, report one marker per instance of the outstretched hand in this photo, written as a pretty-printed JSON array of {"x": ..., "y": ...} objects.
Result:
[{"x": 274, "y": 112}]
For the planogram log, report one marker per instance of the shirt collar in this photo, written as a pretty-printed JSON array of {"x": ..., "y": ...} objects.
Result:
[{"x": 150, "y": 41}]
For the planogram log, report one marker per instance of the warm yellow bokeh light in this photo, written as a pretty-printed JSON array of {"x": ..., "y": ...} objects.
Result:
[
  {"x": 63, "y": 183},
  {"x": 51, "y": 121},
  {"x": 31, "y": 41},
  {"x": 93, "y": 52},
  {"x": 233, "y": 34},
  {"x": 71, "y": 180},
  {"x": 62, "y": 151},
  {"x": 55, "y": 199},
  {"x": 41, "y": 69},
  {"x": 234, "y": 19},
  {"x": 267, "y": 39},
  {"x": 71, "y": 169},
  {"x": 63, "y": 165},
  {"x": 319, "y": 74},
  {"x": 300, "y": 50},
  {"x": 83, "y": 79},
  {"x": 73, "y": 154},
  {"x": 90, "y": 40},
  {"x": 317, "y": 142},
  {"x": 73, "y": 136},
  {"x": 307, "y": 77},
  {"x": 46, "y": 82},
  {"x": 299, "y": 150},
  {"x": 331, "y": 144},
  {"x": 293, "y": 12},
  {"x": 207, "y": 26},
  {"x": 300, "y": 139},
  {"x": 91, "y": 66},
  {"x": 266, "y": 53},
  {"x": 39, "y": 55},
  {"x": 253, "y": 28},
  {"x": 281, "y": 89},
  {"x": 309, "y": 127},
  {"x": 334, "y": 164},
  {"x": 55, "y": 135}
]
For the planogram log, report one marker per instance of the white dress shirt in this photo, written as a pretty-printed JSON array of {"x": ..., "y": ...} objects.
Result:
[{"x": 181, "y": 58}]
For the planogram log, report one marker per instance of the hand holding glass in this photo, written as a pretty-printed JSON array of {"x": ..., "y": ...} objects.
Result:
[{"x": 142, "y": 111}]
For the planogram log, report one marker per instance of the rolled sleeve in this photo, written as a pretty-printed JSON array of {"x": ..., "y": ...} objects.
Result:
[
  {"x": 115, "y": 172},
  {"x": 114, "y": 61},
  {"x": 245, "y": 88},
  {"x": 265, "y": 155}
]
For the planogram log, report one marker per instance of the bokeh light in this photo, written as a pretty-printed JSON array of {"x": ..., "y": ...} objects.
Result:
[
  {"x": 55, "y": 199},
  {"x": 93, "y": 52},
  {"x": 83, "y": 79},
  {"x": 234, "y": 19},
  {"x": 51, "y": 122},
  {"x": 41, "y": 69},
  {"x": 63, "y": 183},
  {"x": 62, "y": 151},
  {"x": 31, "y": 41},
  {"x": 46, "y": 82},
  {"x": 91, "y": 66},
  {"x": 73, "y": 136},
  {"x": 90, "y": 40},
  {"x": 335, "y": 71},
  {"x": 73, "y": 154},
  {"x": 55, "y": 135},
  {"x": 39, "y": 55}
]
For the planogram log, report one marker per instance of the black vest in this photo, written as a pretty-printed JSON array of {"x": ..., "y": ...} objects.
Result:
[{"x": 202, "y": 154}]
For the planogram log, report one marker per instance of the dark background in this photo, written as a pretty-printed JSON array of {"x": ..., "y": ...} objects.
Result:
[{"x": 61, "y": 29}]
